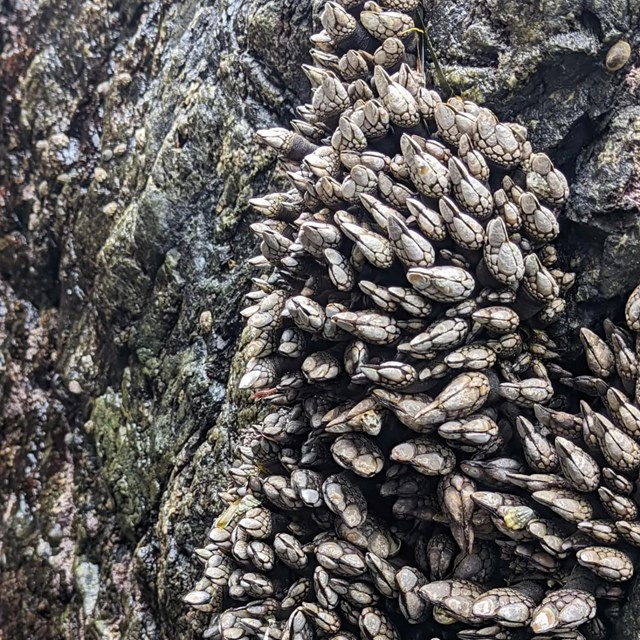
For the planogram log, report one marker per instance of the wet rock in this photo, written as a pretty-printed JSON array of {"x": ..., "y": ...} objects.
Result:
[{"x": 126, "y": 158}]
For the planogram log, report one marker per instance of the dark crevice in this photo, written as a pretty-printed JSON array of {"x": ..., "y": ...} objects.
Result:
[
  {"x": 591, "y": 22},
  {"x": 580, "y": 136}
]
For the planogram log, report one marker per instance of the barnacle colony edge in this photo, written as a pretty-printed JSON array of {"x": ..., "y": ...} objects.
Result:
[{"x": 428, "y": 468}]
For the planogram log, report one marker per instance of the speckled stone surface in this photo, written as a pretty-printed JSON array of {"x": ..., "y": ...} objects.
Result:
[{"x": 127, "y": 156}]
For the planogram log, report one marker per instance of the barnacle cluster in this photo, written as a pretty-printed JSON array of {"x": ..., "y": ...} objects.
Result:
[{"x": 428, "y": 468}]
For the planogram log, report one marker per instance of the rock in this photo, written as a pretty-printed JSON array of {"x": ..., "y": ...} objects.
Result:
[{"x": 128, "y": 154}]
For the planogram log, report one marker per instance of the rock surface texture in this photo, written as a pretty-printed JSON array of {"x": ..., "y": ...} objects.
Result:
[{"x": 127, "y": 155}]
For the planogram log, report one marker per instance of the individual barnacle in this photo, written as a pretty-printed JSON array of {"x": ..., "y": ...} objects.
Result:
[
  {"x": 345, "y": 499},
  {"x": 452, "y": 599},
  {"x": 470, "y": 434},
  {"x": 562, "y": 610},
  {"x": 603, "y": 531},
  {"x": 324, "y": 592},
  {"x": 538, "y": 282},
  {"x": 330, "y": 98},
  {"x": 348, "y": 136},
  {"x": 321, "y": 366},
  {"x": 289, "y": 550},
  {"x": 630, "y": 531},
  {"x": 389, "y": 53},
  {"x": 452, "y": 123},
  {"x": 360, "y": 181},
  {"x": 369, "y": 326},
  {"x": 502, "y": 257},
  {"x": 501, "y": 143},
  {"x": 340, "y": 557},
  {"x": 413, "y": 607},
  {"x": 379, "y": 295},
  {"x": 569, "y": 505},
  {"x": 474, "y": 357},
  {"x": 625, "y": 413},
  {"x": 496, "y": 319},
  {"x": 456, "y": 491},
  {"x": 400, "y": 104},
  {"x": 526, "y": 393},
  {"x": 539, "y": 222},
  {"x": 411, "y": 248},
  {"x": 383, "y": 574},
  {"x": 429, "y": 221},
  {"x": 544, "y": 179},
  {"x": 600, "y": 358},
  {"x": 373, "y": 535},
  {"x": 474, "y": 196},
  {"x": 615, "y": 481},
  {"x": 509, "y": 606},
  {"x": 538, "y": 451},
  {"x": 537, "y": 481},
  {"x": 375, "y": 248},
  {"x": 465, "y": 394},
  {"x": 426, "y": 456},
  {"x": 494, "y": 473},
  {"x": 508, "y": 211},
  {"x": 308, "y": 486},
  {"x": 359, "y": 594},
  {"x": 373, "y": 120},
  {"x": 429, "y": 175},
  {"x": 412, "y": 80},
  {"x": 359, "y": 454},
  {"x": 338, "y": 23},
  {"x": 375, "y": 625},
  {"x": 289, "y": 144},
  {"x": 464, "y": 230},
  {"x": 442, "y": 284},
  {"x": 386, "y": 24},
  {"x": 390, "y": 375},
  {"x": 440, "y": 335},
  {"x": 620, "y": 450},
  {"x": 580, "y": 469},
  {"x": 354, "y": 64},
  {"x": 473, "y": 159},
  {"x": 619, "y": 507},
  {"x": 307, "y": 314}
]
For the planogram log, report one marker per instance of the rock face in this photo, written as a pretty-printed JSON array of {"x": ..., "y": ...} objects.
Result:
[{"x": 127, "y": 157}]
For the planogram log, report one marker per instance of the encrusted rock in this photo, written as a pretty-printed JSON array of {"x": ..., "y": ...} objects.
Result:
[{"x": 427, "y": 460}]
